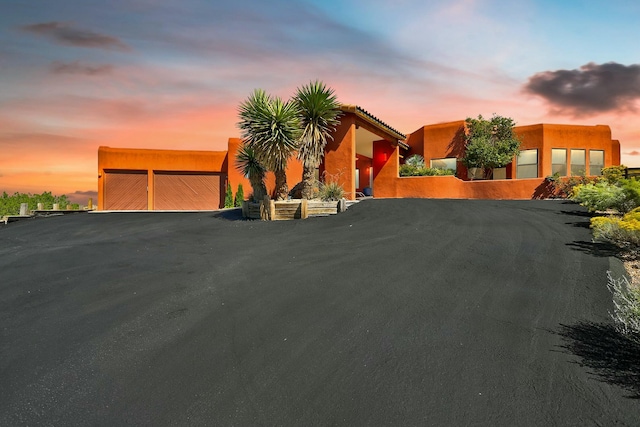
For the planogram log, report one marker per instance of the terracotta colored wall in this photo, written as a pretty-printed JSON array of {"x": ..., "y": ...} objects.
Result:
[
  {"x": 388, "y": 184},
  {"x": 569, "y": 137},
  {"x": 156, "y": 160},
  {"x": 294, "y": 172},
  {"x": 340, "y": 156},
  {"x": 447, "y": 140}
]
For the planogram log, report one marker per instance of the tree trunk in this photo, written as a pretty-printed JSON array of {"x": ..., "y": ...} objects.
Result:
[
  {"x": 308, "y": 179},
  {"x": 282, "y": 190},
  {"x": 259, "y": 189}
]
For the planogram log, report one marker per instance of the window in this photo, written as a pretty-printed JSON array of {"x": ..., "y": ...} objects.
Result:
[
  {"x": 559, "y": 161},
  {"x": 527, "y": 164},
  {"x": 357, "y": 178},
  {"x": 446, "y": 163},
  {"x": 596, "y": 162},
  {"x": 578, "y": 166}
]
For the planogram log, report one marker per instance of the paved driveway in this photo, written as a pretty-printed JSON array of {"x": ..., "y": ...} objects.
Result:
[{"x": 397, "y": 312}]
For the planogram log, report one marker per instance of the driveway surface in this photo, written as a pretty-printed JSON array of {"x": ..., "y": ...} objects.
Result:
[{"x": 396, "y": 312}]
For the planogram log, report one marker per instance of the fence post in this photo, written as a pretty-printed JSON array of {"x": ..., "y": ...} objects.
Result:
[
  {"x": 342, "y": 205},
  {"x": 24, "y": 209},
  {"x": 40, "y": 206},
  {"x": 264, "y": 208},
  {"x": 56, "y": 206}
]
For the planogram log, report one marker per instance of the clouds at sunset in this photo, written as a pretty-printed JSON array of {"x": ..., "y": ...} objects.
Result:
[
  {"x": 163, "y": 74},
  {"x": 67, "y": 34},
  {"x": 78, "y": 68},
  {"x": 593, "y": 88}
]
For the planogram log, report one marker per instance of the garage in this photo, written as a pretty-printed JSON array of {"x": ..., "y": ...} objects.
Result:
[
  {"x": 187, "y": 191},
  {"x": 125, "y": 190}
]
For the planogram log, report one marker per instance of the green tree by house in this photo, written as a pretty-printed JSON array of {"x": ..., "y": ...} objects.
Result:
[
  {"x": 271, "y": 127},
  {"x": 228, "y": 197},
  {"x": 239, "y": 196},
  {"x": 319, "y": 113},
  {"x": 490, "y": 143}
]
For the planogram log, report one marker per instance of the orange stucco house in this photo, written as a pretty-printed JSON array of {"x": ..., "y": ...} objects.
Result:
[{"x": 364, "y": 156}]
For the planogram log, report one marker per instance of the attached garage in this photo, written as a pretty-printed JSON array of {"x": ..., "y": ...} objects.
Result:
[
  {"x": 125, "y": 190},
  {"x": 142, "y": 179},
  {"x": 187, "y": 190}
]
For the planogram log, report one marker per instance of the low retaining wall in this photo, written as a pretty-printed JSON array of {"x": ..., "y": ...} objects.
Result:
[{"x": 271, "y": 210}]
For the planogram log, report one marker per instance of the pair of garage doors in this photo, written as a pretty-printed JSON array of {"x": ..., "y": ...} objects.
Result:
[{"x": 127, "y": 190}]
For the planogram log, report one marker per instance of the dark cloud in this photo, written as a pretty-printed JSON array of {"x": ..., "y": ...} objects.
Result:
[
  {"x": 633, "y": 153},
  {"x": 78, "y": 68},
  {"x": 66, "y": 34},
  {"x": 594, "y": 88},
  {"x": 82, "y": 197},
  {"x": 86, "y": 193}
]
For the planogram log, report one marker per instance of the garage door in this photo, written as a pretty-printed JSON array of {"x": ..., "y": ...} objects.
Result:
[
  {"x": 125, "y": 190},
  {"x": 186, "y": 191}
]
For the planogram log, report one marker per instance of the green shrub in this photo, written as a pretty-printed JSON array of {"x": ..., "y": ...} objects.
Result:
[
  {"x": 599, "y": 196},
  {"x": 331, "y": 191},
  {"x": 626, "y": 307},
  {"x": 614, "y": 174},
  {"x": 623, "y": 231},
  {"x": 10, "y": 205},
  {"x": 239, "y": 196},
  {"x": 410, "y": 170},
  {"x": 228, "y": 197}
]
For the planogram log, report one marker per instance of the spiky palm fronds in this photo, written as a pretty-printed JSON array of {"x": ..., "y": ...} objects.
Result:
[
  {"x": 319, "y": 114},
  {"x": 271, "y": 127},
  {"x": 247, "y": 164}
]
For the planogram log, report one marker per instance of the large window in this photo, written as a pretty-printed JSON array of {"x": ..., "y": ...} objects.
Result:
[
  {"x": 578, "y": 165},
  {"x": 527, "y": 164},
  {"x": 596, "y": 162},
  {"x": 446, "y": 163},
  {"x": 559, "y": 161}
]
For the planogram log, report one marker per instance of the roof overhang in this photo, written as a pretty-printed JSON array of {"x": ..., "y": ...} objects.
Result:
[{"x": 376, "y": 123}]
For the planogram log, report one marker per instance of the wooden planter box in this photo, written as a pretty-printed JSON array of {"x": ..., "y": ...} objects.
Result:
[{"x": 271, "y": 210}]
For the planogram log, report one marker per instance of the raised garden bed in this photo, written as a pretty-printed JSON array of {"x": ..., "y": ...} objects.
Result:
[{"x": 271, "y": 210}]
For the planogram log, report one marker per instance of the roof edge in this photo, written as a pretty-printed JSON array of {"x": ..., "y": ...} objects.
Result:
[{"x": 371, "y": 119}]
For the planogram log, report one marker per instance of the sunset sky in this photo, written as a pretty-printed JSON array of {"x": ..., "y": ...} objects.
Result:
[{"x": 77, "y": 74}]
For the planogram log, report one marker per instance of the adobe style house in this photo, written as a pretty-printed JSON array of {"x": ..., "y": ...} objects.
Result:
[{"x": 364, "y": 156}]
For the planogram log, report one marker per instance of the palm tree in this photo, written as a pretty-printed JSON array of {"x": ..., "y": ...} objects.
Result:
[
  {"x": 271, "y": 128},
  {"x": 319, "y": 113},
  {"x": 249, "y": 165}
]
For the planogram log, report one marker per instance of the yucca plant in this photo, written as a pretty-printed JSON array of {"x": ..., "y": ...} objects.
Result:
[
  {"x": 271, "y": 128},
  {"x": 248, "y": 165},
  {"x": 319, "y": 114}
]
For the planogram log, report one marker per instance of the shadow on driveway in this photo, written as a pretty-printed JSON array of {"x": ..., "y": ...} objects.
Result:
[{"x": 611, "y": 356}]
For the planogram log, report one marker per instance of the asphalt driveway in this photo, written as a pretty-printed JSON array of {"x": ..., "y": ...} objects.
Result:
[{"x": 396, "y": 312}]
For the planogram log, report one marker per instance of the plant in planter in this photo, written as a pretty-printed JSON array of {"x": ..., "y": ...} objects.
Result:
[
  {"x": 319, "y": 117},
  {"x": 271, "y": 127},
  {"x": 489, "y": 144}
]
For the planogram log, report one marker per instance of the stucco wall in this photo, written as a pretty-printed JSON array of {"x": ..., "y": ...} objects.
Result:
[
  {"x": 388, "y": 184},
  {"x": 447, "y": 140},
  {"x": 134, "y": 159}
]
